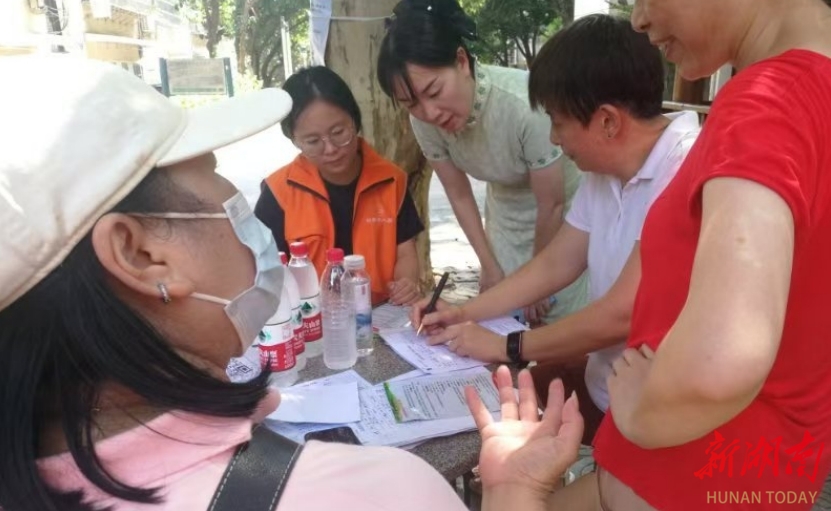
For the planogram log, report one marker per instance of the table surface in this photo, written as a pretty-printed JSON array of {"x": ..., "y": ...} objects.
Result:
[{"x": 452, "y": 456}]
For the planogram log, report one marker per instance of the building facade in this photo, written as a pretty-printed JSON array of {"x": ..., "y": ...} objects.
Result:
[{"x": 133, "y": 34}]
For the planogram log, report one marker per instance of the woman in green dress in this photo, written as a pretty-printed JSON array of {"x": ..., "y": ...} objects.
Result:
[{"x": 475, "y": 120}]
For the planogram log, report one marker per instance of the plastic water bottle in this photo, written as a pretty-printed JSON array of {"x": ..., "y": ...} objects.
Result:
[
  {"x": 309, "y": 286},
  {"x": 277, "y": 345},
  {"x": 339, "y": 349},
  {"x": 296, "y": 316},
  {"x": 357, "y": 280}
]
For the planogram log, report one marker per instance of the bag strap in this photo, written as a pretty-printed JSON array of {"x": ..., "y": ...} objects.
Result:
[{"x": 256, "y": 475}]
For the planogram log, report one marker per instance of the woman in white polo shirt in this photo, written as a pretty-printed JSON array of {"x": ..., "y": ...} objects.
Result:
[{"x": 602, "y": 86}]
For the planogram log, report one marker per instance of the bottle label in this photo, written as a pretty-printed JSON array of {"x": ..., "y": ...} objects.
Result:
[
  {"x": 299, "y": 331},
  {"x": 277, "y": 347},
  {"x": 363, "y": 310},
  {"x": 312, "y": 326}
]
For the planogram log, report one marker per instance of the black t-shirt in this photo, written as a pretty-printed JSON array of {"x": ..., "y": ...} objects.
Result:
[{"x": 341, "y": 205}]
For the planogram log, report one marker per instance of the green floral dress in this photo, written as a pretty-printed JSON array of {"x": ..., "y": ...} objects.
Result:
[{"x": 503, "y": 142}]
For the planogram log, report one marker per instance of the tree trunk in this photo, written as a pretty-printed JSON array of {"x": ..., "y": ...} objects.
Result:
[
  {"x": 565, "y": 8},
  {"x": 352, "y": 51},
  {"x": 211, "y": 8},
  {"x": 242, "y": 34}
]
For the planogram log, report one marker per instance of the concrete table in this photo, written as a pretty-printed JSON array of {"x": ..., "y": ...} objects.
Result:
[{"x": 453, "y": 456}]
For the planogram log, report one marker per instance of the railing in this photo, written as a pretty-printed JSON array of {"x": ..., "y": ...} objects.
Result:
[
  {"x": 143, "y": 7},
  {"x": 702, "y": 110},
  {"x": 164, "y": 9}
]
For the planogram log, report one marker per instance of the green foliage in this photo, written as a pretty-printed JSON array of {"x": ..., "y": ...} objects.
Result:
[
  {"x": 264, "y": 42},
  {"x": 620, "y": 8},
  {"x": 520, "y": 24}
]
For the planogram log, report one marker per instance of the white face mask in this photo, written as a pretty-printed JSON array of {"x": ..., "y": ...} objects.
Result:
[{"x": 250, "y": 310}]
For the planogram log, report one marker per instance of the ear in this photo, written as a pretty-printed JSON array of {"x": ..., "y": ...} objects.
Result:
[
  {"x": 137, "y": 258},
  {"x": 611, "y": 120},
  {"x": 462, "y": 61}
]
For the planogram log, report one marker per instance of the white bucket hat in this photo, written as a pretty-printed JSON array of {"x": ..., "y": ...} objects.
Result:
[{"x": 77, "y": 136}]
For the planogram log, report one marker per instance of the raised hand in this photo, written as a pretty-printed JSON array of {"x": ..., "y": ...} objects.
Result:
[{"x": 521, "y": 450}]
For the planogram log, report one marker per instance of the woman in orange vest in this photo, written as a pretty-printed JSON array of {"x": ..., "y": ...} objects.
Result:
[{"x": 339, "y": 192}]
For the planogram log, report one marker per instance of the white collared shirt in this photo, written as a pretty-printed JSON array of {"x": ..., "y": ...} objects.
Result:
[{"x": 613, "y": 215}]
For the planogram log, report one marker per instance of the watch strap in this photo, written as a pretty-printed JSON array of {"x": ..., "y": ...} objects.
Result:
[{"x": 514, "y": 347}]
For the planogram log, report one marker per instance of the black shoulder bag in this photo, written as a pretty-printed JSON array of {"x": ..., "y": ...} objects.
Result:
[{"x": 257, "y": 473}]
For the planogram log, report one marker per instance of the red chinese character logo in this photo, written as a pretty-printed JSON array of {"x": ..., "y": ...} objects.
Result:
[
  {"x": 760, "y": 456},
  {"x": 801, "y": 453},
  {"x": 720, "y": 456}
]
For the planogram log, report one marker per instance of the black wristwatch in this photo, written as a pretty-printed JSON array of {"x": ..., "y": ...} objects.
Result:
[{"x": 514, "y": 347}]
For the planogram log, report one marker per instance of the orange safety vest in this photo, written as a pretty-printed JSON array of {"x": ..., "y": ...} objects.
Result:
[{"x": 299, "y": 190}]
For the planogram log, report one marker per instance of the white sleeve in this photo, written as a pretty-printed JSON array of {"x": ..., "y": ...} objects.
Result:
[{"x": 580, "y": 214}]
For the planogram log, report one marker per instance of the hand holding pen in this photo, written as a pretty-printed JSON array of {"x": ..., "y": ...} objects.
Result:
[{"x": 433, "y": 313}]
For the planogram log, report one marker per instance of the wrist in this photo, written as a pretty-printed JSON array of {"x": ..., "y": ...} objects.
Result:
[
  {"x": 464, "y": 313},
  {"x": 513, "y": 347},
  {"x": 504, "y": 358}
]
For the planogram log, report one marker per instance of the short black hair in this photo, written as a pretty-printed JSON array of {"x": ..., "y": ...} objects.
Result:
[
  {"x": 428, "y": 33},
  {"x": 598, "y": 59},
  {"x": 318, "y": 82}
]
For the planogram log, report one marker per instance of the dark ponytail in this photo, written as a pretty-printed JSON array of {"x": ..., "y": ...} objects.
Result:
[{"x": 423, "y": 32}]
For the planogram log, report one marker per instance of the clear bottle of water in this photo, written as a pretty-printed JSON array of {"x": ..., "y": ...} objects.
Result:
[
  {"x": 290, "y": 285},
  {"x": 309, "y": 286},
  {"x": 339, "y": 349},
  {"x": 357, "y": 281},
  {"x": 277, "y": 345}
]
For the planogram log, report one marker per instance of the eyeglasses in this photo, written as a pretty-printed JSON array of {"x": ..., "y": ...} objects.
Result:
[{"x": 338, "y": 137}]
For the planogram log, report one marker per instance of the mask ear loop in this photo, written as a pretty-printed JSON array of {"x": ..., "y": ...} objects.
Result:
[{"x": 165, "y": 293}]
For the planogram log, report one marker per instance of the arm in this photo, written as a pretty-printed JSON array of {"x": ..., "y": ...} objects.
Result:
[
  {"x": 457, "y": 186},
  {"x": 715, "y": 359},
  {"x": 405, "y": 288},
  {"x": 559, "y": 264},
  {"x": 603, "y": 323},
  {"x": 548, "y": 185},
  {"x": 406, "y": 261}
]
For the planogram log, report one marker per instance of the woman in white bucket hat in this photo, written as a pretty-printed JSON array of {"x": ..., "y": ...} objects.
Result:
[{"x": 126, "y": 271}]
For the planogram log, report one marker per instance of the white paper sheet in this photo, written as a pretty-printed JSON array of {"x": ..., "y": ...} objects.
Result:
[
  {"x": 441, "y": 396},
  {"x": 320, "y": 14},
  {"x": 503, "y": 325},
  {"x": 430, "y": 359},
  {"x": 298, "y": 431},
  {"x": 337, "y": 379},
  {"x": 322, "y": 404},
  {"x": 389, "y": 316},
  {"x": 415, "y": 373},
  {"x": 379, "y": 427}
]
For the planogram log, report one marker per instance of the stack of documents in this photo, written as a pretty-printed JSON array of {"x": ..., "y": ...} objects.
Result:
[
  {"x": 377, "y": 424},
  {"x": 405, "y": 411}
]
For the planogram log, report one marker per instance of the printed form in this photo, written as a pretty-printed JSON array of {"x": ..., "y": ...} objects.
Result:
[{"x": 440, "y": 396}]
